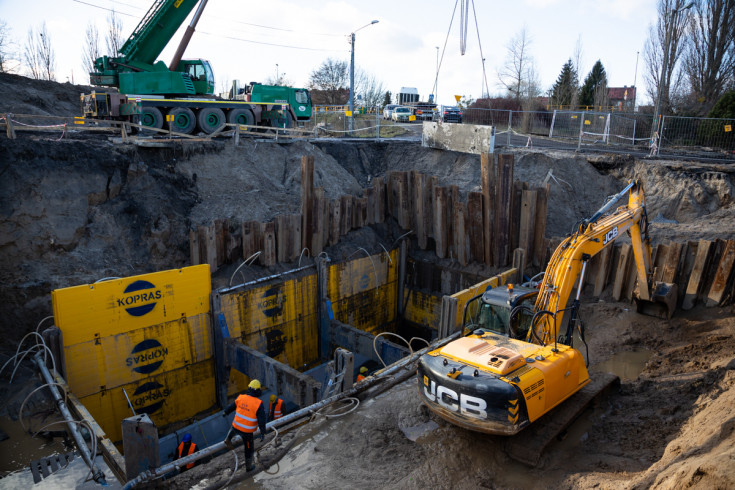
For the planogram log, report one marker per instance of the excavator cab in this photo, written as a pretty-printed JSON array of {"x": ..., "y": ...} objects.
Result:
[{"x": 505, "y": 310}]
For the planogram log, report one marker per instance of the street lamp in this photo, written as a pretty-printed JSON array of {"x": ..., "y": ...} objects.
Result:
[
  {"x": 352, "y": 72},
  {"x": 664, "y": 68}
]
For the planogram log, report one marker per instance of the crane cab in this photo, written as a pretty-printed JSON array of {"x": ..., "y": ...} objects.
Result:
[{"x": 201, "y": 75}]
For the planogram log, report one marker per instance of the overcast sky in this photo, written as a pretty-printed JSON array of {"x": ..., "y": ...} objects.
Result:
[{"x": 246, "y": 39}]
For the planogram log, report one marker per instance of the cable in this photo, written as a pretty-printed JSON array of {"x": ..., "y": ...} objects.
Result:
[
  {"x": 93, "y": 435},
  {"x": 234, "y": 453},
  {"x": 41, "y": 322},
  {"x": 245, "y": 262},
  {"x": 444, "y": 49},
  {"x": 302, "y": 254},
  {"x": 482, "y": 57},
  {"x": 351, "y": 407},
  {"x": 20, "y": 411}
]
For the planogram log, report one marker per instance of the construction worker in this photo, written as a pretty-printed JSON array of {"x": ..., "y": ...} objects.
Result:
[
  {"x": 275, "y": 409},
  {"x": 186, "y": 448},
  {"x": 249, "y": 416},
  {"x": 363, "y": 374}
]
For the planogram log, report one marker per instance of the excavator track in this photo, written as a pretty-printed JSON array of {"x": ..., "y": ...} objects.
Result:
[{"x": 529, "y": 445}]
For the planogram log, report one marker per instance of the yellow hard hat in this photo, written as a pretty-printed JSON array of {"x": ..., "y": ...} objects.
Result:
[
  {"x": 273, "y": 398},
  {"x": 254, "y": 384},
  {"x": 363, "y": 370}
]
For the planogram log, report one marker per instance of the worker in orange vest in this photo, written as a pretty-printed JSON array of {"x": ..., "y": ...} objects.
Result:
[
  {"x": 275, "y": 409},
  {"x": 249, "y": 416},
  {"x": 186, "y": 448},
  {"x": 363, "y": 373}
]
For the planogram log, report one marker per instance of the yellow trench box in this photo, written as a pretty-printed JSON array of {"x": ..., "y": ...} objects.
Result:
[{"x": 148, "y": 334}]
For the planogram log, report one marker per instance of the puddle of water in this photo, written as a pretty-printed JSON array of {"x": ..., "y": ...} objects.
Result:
[
  {"x": 413, "y": 433},
  {"x": 17, "y": 452},
  {"x": 627, "y": 365}
]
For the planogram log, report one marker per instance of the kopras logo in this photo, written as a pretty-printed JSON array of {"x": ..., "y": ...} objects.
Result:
[
  {"x": 149, "y": 397},
  {"x": 147, "y": 356},
  {"x": 447, "y": 398},
  {"x": 140, "y": 298}
]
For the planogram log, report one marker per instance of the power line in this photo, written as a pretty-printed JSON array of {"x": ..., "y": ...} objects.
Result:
[{"x": 268, "y": 44}]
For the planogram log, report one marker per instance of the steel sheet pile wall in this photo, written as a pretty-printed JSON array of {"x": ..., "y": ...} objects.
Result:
[
  {"x": 363, "y": 292},
  {"x": 149, "y": 335},
  {"x": 279, "y": 320}
]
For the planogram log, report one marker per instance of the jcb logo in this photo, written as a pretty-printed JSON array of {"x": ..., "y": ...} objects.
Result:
[
  {"x": 610, "y": 236},
  {"x": 449, "y": 399}
]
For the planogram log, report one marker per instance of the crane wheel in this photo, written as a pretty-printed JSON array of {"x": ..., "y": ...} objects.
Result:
[
  {"x": 241, "y": 116},
  {"x": 151, "y": 117},
  {"x": 210, "y": 119},
  {"x": 284, "y": 120},
  {"x": 184, "y": 120}
]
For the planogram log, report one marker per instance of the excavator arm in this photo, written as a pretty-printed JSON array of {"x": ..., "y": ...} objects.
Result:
[{"x": 569, "y": 263}]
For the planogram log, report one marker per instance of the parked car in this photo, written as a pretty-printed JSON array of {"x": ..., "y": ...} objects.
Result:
[
  {"x": 388, "y": 111},
  {"x": 401, "y": 114},
  {"x": 451, "y": 113}
]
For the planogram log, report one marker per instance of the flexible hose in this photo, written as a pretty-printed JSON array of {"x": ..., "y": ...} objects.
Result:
[
  {"x": 234, "y": 453},
  {"x": 20, "y": 412}
]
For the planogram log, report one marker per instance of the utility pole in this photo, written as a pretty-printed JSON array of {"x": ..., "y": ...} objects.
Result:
[{"x": 352, "y": 75}]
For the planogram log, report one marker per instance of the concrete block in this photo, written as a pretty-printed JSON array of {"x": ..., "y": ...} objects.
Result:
[{"x": 465, "y": 138}]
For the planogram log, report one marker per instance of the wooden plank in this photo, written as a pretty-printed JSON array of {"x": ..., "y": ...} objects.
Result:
[
  {"x": 194, "y": 247},
  {"x": 703, "y": 251},
  {"x": 539, "y": 233},
  {"x": 452, "y": 200},
  {"x": 390, "y": 190},
  {"x": 474, "y": 227},
  {"x": 282, "y": 237},
  {"x": 210, "y": 244},
  {"x": 268, "y": 257},
  {"x": 689, "y": 255},
  {"x": 487, "y": 185},
  {"x": 447, "y": 316},
  {"x": 320, "y": 222},
  {"x": 430, "y": 184},
  {"x": 459, "y": 233},
  {"x": 658, "y": 258},
  {"x": 710, "y": 270},
  {"x": 626, "y": 253},
  {"x": 417, "y": 191},
  {"x": 307, "y": 200},
  {"x": 251, "y": 238},
  {"x": 527, "y": 221},
  {"x": 369, "y": 193},
  {"x": 670, "y": 265},
  {"x": 722, "y": 276},
  {"x": 603, "y": 270},
  {"x": 232, "y": 244},
  {"x": 440, "y": 221},
  {"x": 380, "y": 199},
  {"x": 515, "y": 214},
  {"x": 219, "y": 241},
  {"x": 335, "y": 220},
  {"x": 503, "y": 201},
  {"x": 346, "y": 204},
  {"x": 519, "y": 263},
  {"x": 631, "y": 278}
]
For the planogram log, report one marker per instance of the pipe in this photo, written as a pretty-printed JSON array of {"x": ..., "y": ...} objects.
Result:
[
  {"x": 372, "y": 380},
  {"x": 266, "y": 278},
  {"x": 186, "y": 38},
  {"x": 611, "y": 203},
  {"x": 97, "y": 474}
]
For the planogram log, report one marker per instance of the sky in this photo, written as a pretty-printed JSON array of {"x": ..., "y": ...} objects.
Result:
[{"x": 252, "y": 40}]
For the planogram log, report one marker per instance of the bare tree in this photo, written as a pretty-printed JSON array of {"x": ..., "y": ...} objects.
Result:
[
  {"x": 7, "y": 50},
  {"x": 578, "y": 59},
  {"x": 91, "y": 49},
  {"x": 331, "y": 78},
  {"x": 114, "y": 39},
  {"x": 369, "y": 88},
  {"x": 39, "y": 56},
  {"x": 709, "y": 61},
  {"x": 654, "y": 50},
  {"x": 517, "y": 74},
  {"x": 280, "y": 80}
]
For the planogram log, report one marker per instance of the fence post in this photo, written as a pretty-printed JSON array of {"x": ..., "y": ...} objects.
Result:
[
  {"x": 661, "y": 135},
  {"x": 551, "y": 129},
  {"x": 377, "y": 123},
  {"x": 581, "y": 130},
  {"x": 606, "y": 137},
  {"x": 634, "y": 123},
  {"x": 510, "y": 124}
]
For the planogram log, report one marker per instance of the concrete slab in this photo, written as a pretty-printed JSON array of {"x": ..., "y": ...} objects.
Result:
[{"x": 466, "y": 138}]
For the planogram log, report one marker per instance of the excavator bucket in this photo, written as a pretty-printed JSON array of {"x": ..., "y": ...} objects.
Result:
[{"x": 663, "y": 301}]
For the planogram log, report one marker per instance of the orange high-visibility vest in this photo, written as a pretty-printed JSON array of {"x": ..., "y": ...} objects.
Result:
[
  {"x": 180, "y": 450},
  {"x": 278, "y": 412},
  {"x": 246, "y": 419},
  {"x": 360, "y": 377}
]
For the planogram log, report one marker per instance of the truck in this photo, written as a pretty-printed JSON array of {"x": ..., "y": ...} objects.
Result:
[
  {"x": 409, "y": 97},
  {"x": 150, "y": 92},
  {"x": 517, "y": 361}
]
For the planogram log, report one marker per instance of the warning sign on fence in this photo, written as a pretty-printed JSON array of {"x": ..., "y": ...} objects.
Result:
[{"x": 728, "y": 128}]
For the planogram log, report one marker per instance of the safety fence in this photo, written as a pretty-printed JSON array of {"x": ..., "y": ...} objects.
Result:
[{"x": 621, "y": 131}]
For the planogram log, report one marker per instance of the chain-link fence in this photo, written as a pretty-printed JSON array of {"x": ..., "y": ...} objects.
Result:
[{"x": 559, "y": 129}]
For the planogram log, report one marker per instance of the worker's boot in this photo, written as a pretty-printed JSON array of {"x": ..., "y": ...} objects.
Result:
[
  {"x": 249, "y": 466},
  {"x": 229, "y": 444}
]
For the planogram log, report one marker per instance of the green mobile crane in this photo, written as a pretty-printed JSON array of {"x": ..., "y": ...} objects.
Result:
[{"x": 149, "y": 90}]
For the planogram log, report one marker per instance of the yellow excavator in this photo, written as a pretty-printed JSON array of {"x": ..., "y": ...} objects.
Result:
[{"x": 517, "y": 360}]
